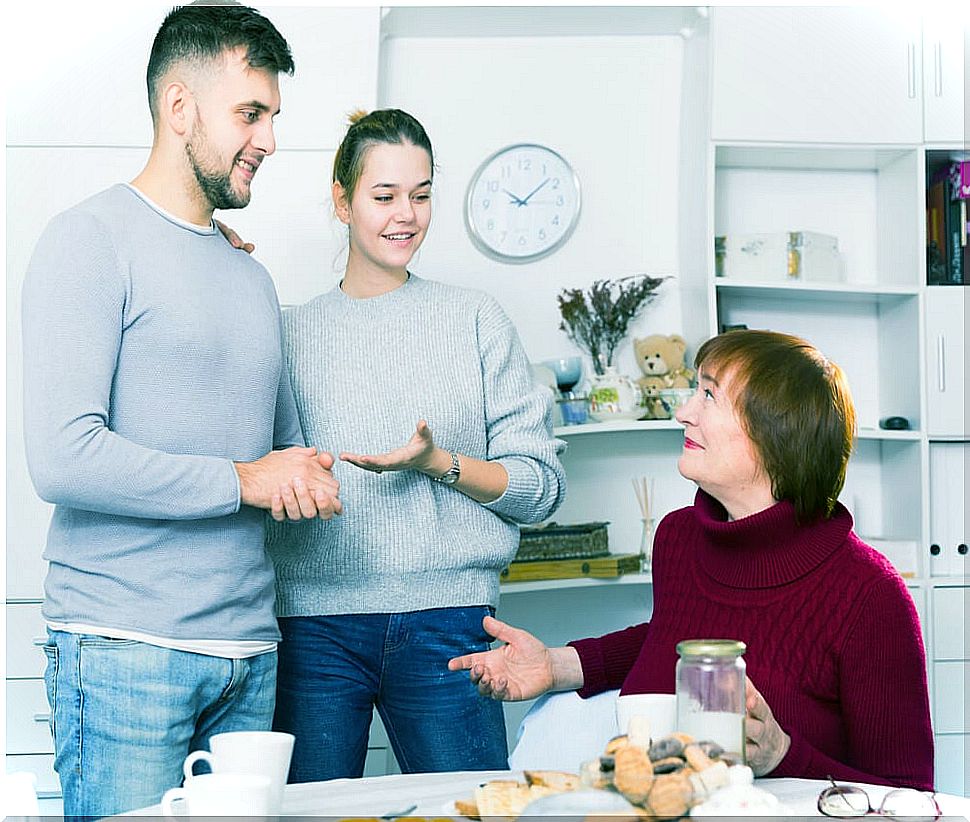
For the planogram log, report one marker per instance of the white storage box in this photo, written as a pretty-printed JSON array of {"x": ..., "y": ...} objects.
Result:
[{"x": 785, "y": 256}]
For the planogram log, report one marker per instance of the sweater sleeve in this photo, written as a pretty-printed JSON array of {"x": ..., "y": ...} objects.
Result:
[
  {"x": 883, "y": 699},
  {"x": 73, "y": 304},
  {"x": 607, "y": 660},
  {"x": 287, "y": 431},
  {"x": 518, "y": 420}
]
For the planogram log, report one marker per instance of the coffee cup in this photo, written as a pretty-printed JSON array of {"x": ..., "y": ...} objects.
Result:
[
  {"x": 220, "y": 794},
  {"x": 658, "y": 710},
  {"x": 261, "y": 753}
]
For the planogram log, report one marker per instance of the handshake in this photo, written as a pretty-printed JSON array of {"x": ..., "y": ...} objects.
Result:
[{"x": 294, "y": 483}]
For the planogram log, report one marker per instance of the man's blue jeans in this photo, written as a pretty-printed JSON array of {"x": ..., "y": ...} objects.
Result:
[
  {"x": 335, "y": 669},
  {"x": 125, "y": 714}
]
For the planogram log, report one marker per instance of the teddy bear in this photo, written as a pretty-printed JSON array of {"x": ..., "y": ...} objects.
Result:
[
  {"x": 662, "y": 357},
  {"x": 653, "y": 407}
]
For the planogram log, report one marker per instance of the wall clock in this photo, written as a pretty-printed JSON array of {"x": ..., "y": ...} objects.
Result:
[{"x": 522, "y": 203}]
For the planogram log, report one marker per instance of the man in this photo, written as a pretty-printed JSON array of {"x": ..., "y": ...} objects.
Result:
[{"x": 155, "y": 393}]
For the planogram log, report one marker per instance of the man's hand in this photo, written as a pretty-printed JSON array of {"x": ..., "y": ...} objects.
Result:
[{"x": 295, "y": 483}]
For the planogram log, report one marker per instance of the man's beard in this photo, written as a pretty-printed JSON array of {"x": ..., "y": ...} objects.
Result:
[{"x": 216, "y": 186}]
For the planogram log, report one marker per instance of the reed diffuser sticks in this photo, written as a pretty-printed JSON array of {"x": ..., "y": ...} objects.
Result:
[{"x": 643, "y": 487}]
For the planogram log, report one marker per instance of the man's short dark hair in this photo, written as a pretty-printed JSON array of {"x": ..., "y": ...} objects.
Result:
[{"x": 203, "y": 31}]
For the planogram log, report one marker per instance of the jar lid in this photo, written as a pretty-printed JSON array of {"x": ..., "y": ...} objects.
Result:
[{"x": 711, "y": 647}]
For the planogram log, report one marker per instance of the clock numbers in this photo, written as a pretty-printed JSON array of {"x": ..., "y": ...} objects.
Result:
[{"x": 522, "y": 203}]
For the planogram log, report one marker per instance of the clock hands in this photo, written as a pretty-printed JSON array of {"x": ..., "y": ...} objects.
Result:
[
  {"x": 521, "y": 201},
  {"x": 529, "y": 195}
]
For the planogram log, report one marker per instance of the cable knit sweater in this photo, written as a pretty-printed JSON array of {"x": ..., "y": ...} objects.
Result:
[
  {"x": 833, "y": 638},
  {"x": 364, "y": 371}
]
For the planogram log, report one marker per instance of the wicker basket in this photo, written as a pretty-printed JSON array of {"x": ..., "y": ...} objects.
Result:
[{"x": 553, "y": 541}]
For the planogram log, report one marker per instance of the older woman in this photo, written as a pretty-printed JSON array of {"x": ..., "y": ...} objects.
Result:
[{"x": 766, "y": 555}]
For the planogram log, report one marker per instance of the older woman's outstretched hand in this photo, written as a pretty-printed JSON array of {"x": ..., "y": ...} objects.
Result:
[
  {"x": 766, "y": 743},
  {"x": 522, "y": 668}
]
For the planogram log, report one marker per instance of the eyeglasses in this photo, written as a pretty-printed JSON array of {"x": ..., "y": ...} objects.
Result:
[{"x": 848, "y": 802}]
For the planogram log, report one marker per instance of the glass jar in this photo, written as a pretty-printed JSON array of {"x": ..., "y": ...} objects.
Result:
[{"x": 710, "y": 693}]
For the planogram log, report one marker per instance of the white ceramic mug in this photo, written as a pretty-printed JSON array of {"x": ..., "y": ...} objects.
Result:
[
  {"x": 220, "y": 794},
  {"x": 660, "y": 711},
  {"x": 263, "y": 753}
]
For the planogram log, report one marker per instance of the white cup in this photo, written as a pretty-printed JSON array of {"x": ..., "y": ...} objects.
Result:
[
  {"x": 261, "y": 753},
  {"x": 660, "y": 711},
  {"x": 220, "y": 794}
]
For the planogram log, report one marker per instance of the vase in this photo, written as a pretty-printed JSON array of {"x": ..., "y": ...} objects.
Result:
[{"x": 613, "y": 397}]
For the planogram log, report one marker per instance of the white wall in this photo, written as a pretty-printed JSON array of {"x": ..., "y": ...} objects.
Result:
[{"x": 609, "y": 104}]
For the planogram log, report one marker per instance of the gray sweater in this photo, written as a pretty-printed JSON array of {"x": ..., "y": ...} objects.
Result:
[
  {"x": 364, "y": 371},
  {"x": 152, "y": 360}
]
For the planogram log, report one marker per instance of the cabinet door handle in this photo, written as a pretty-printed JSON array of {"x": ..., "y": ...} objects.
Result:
[
  {"x": 938, "y": 68},
  {"x": 911, "y": 69},
  {"x": 962, "y": 549},
  {"x": 941, "y": 363},
  {"x": 935, "y": 550},
  {"x": 45, "y": 718}
]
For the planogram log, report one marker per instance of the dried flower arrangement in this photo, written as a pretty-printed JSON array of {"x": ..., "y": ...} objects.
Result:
[{"x": 597, "y": 320}]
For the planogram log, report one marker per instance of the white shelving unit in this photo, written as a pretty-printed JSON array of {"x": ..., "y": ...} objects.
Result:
[
  {"x": 567, "y": 431},
  {"x": 511, "y": 588},
  {"x": 786, "y": 156}
]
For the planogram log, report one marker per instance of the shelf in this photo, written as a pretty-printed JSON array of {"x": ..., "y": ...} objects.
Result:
[
  {"x": 578, "y": 582},
  {"x": 613, "y": 427},
  {"x": 810, "y": 157},
  {"x": 880, "y": 434},
  {"x": 820, "y": 291}
]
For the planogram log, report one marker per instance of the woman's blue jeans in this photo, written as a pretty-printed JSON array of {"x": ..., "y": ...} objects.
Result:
[
  {"x": 125, "y": 714},
  {"x": 333, "y": 670}
]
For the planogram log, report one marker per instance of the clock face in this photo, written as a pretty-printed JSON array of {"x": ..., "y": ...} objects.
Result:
[{"x": 522, "y": 203}]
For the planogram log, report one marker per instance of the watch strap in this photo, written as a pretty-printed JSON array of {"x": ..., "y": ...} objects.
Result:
[{"x": 450, "y": 477}]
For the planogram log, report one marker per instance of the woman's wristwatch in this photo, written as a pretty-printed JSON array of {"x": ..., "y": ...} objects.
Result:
[{"x": 450, "y": 477}]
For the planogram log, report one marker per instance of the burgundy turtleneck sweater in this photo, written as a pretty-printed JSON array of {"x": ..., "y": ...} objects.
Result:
[{"x": 833, "y": 638}]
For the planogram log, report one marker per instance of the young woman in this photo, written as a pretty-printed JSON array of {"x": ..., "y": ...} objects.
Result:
[{"x": 426, "y": 393}]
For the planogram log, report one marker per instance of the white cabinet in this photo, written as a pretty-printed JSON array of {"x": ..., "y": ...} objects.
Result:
[
  {"x": 946, "y": 361},
  {"x": 950, "y": 660},
  {"x": 944, "y": 75},
  {"x": 816, "y": 74},
  {"x": 949, "y": 622},
  {"x": 948, "y": 537}
]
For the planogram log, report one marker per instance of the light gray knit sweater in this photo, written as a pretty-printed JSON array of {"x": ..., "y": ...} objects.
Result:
[{"x": 364, "y": 371}]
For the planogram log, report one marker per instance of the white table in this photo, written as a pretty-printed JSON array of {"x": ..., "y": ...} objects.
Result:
[{"x": 432, "y": 795}]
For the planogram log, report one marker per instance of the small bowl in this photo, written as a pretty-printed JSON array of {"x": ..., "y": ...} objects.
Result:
[{"x": 574, "y": 410}]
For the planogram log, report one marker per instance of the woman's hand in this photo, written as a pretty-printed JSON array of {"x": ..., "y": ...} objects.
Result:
[
  {"x": 416, "y": 454},
  {"x": 522, "y": 668},
  {"x": 766, "y": 743},
  {"x": 234, "y": 239}
]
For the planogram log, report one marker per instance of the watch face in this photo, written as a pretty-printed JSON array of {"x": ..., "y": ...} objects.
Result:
[{"x": 522, "y": 203}]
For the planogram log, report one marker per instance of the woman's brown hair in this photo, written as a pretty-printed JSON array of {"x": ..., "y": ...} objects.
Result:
[
  {"x": 795, "y": 406},
  {"x": 383, "y": 126}
]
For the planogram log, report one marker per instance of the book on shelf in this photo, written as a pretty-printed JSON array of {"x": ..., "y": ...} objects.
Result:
[
  {"x": 937, "y": 270},
  {"x": 956, "y": 226},
  {"x": 947, "y": 196},
  {"x": 956, "y": 252}
]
